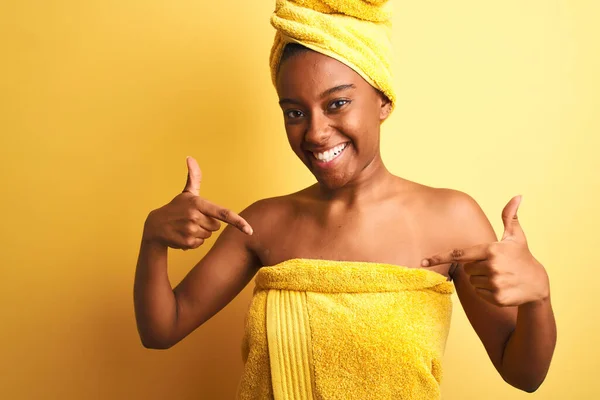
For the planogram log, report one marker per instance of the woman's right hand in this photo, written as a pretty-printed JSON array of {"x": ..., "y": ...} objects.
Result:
[{"x": 188, "y": 219}]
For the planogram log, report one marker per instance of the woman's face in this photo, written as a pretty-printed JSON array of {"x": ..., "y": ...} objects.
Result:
[{"x": 332, "y": 117}]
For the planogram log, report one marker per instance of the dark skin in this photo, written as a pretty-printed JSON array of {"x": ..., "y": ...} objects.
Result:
[{"x": 357, "y": 211}]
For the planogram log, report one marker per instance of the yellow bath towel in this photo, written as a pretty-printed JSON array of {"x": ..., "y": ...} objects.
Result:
[
  {"x": 325, "y": 330},
  {"x": 355, "y": 32}
]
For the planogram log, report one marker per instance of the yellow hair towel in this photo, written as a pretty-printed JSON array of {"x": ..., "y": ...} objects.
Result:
[
  {"x": 354, "y": 32},
  {"x": 329, "y": 330}
]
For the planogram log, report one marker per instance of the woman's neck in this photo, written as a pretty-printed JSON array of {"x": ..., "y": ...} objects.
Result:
[{"x": 372, "y": 184}]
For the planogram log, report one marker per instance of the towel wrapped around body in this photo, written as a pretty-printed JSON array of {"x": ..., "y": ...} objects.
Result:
[{"x": 319, "y": 329}]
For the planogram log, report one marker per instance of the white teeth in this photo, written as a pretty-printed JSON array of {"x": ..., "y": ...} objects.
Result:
[{"x": 330, "y": 154}]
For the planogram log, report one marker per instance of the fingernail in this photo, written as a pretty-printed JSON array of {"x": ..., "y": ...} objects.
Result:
[
  {"x": 248, "y": 230},
  {"x": 425, "y": 263}
]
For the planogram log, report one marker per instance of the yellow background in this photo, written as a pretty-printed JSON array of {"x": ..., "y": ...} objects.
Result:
[{"x": 100, "y": 102}]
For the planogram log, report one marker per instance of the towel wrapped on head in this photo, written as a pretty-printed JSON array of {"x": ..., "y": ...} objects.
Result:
[{"x": 354, "y": 32}]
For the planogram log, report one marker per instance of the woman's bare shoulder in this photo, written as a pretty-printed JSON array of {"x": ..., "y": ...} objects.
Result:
[
  {"x": 456, "y": 204},
  {"x": 270, "y": 209},
  {"x": 453, "y": 209},
  {"x": 438, "y": 199},
  {"x": 458, "y": 214}
]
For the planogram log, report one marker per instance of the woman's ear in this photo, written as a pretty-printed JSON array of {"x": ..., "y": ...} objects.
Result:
[{"x": 386, "y": 107}]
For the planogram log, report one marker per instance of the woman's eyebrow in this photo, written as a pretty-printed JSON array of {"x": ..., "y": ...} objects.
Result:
[
  {"x": 289, "y": 101},
  {"x": 322, "y": 95},
  {"x": 337, "y": 89}
]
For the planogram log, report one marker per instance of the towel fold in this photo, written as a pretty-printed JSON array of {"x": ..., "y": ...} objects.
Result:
[
  {"x": 319, "y": 329},
  {"x": 354, "y": 32}
]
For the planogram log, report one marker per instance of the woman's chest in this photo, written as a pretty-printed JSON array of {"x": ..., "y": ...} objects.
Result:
[{"x": 386, "y": 237}]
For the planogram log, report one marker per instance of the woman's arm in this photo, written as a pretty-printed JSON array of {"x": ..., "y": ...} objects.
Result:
[
  {"x": 529, "y": 350},
  {"x": 504, "y": 291},
  {"x": 165, "y": 316},
  {"x": 519, "y": 340}
]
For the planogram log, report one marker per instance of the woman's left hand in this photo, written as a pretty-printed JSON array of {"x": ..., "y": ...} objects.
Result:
[{"x": 505, "y": 273}]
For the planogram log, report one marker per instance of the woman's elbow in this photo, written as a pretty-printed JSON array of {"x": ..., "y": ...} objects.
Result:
[
  {"x": 530, "y": 388},
  {"x": 155, "y": 342},
  {"x": 527, "y": 384}
]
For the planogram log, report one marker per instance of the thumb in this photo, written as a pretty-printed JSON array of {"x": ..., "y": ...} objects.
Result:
[
  {"x": 194, "y": 177},
  {"x": 512, "y": 228}
]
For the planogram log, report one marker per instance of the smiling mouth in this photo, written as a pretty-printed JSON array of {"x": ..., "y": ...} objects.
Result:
[{"x": 331, "y": 154}]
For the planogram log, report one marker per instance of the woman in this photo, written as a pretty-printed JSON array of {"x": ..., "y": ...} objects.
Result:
[{"x": 353, "y": 273}]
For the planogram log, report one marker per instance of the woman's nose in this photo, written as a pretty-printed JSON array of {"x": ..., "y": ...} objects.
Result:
[{"x": 319, "y": 130}]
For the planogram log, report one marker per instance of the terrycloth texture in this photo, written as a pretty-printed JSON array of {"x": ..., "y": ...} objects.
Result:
[
  {"x": 355, "y": 32},
  {"x": 319, "y": 329}
]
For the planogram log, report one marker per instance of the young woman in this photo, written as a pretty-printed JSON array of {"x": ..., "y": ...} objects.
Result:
[{"x": 358, "y": 224}]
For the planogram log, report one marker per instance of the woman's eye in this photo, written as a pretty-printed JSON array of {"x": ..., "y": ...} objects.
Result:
[
  {"x": 338, "y": 104},
  {"x": 293, "y": 114}
]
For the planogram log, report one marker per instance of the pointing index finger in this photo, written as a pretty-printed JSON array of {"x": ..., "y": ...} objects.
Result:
[
  {"x": 225, "y": 215},
  {"x": 470, "y": 254}
]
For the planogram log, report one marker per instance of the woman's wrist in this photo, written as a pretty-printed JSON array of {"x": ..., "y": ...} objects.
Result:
[{"x": 148, "y": 235}]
